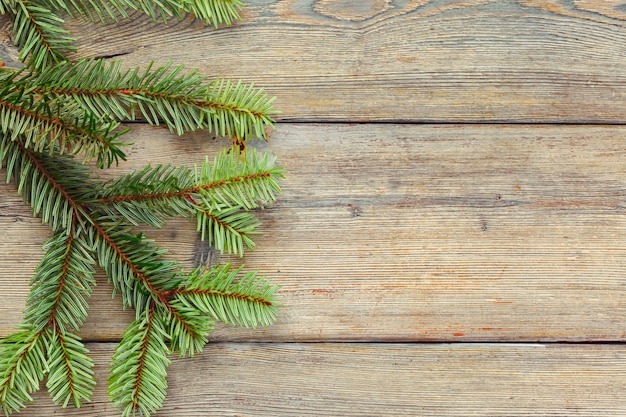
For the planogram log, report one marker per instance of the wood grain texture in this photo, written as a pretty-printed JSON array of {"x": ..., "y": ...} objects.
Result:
[
  {"x": 381, "y": 380},
  {"x": 409, "y": 233},
  {"x": 398, "y": 233},
  {"x": 398, "y": 60}
]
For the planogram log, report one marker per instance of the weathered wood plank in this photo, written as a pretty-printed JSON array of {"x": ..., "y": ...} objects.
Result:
[
  {"x": 382, "y": 380},
  {"x": 398, "y": 232},
  {"x": 393, "y": 60}
]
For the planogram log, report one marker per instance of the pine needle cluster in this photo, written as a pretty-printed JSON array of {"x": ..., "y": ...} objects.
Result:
[{"x": 56, "y": 115}]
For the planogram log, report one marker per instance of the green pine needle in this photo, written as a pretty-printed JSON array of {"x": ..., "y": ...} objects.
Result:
[
  {"x": 137, "y": 381},
  {"x": 70, "y": 376},
  {"x": 215, "y": 12},
  {"x": 38, "y": 33},
  {"x": 23, "y": 366},
  {"x": 160, "y": 95},
  {"x": 249, "y": 301},
  {"x": 62, "y": 284},
  {"x": 55, "y": 116},
  {"x": 188, "y": 329}
]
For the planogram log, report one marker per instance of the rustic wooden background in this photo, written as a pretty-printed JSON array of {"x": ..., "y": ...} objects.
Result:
[{"x": 451, "y": 239}]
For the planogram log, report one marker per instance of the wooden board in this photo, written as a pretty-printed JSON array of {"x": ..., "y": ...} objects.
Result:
[
  {"x": 381, "y": 380},
  {"x": 392, "y": 60},
  {"x": 461, "y": 234},
  {"x": 409, "y": 233}
]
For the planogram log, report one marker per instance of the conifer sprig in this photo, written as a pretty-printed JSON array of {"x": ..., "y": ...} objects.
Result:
[
  {"x": 216, "y": 12},
  {"x": 44, "y": 125},
  {"x": 70, "y": 376},
  {"x": 53, "y": 114},
  {"x": 101, "y": 11},
  {"x": 23, "y": 366},
  {"x": 39, "y": 34},
  {"x": 53, "y": 185},
  {"x": 87, "y": 230},
  {"x": 212, "y": 12},
  {"x": 137, "y": 383},
  {"x": 219, "y": 196},
  {"x": 183, "y": 102},
  {"x": 62, "y": 285},
  {"x": 248, "y": 301}
]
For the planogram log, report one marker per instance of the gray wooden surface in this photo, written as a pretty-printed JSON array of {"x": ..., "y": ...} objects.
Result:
[{"x": 481, "y": 226}]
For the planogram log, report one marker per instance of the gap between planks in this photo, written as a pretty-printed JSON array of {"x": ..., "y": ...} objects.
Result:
[
  {"x": 406, "y": 233},
  {"x": 325, "y": 379}
]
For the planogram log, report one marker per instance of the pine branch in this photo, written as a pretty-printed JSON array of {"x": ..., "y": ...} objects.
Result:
[
  {"x": 22, "y": 367},
  {"x": 228, "y": 229},
  {"x": 44, "y": 124},
  {"x": 237, "y": 110},
  {"x": 127, "y": 259},
  {"x": 160, "y": 95},
  {"x": 102, "y": 11},
  {"x": 213, "y": 12},
  {"x": 54, "y": 110},
  {"x": 56, "y": 187},
  {"x": 137, "y": 382},
  {"x": 186, "y": 307},
  {"x": 249, "y": 301},
  {"x": 134, "y": 265},
  {"x": 188, "y": 329},
  {"x": 216, "y": 12},
  {"x": 149, "y": 196},
  {"x": 62, "y": 284},
  {"x": 38, "y": 33},
  {"x": 59, "y": 190},
  {"x": 218, "y": 198},
  {"x": 70, "y": 375},
  {"x": 232, "y": 181},
  {"x": 158, "y": 10}
]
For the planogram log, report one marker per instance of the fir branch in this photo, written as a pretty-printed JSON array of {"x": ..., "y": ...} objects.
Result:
[
  {"x": 70, "y": 376},
  {"x": 218, "y": 198},
  {"x": 235, "y": 181},
  {"x": 232, "y": 180},
  {"x": 215, "y": 12},
  {"x": 96, "y": 85},
  {"x": 158, "y": 10},
  {"x": 188, "y": 328},
  {"x": 38, "y": 33},
  {"x": 238, "y": 110},
  {"x": 137, "y": 381},
  {"x": 102, "y": 11},
  {"x": 58, "y": 189},
  {"x": 134, "y": 265},
  {"x": 54, "y": 110},
  {"x": 160, "y": 95},
  {"x": 186, "y": 307},
  {"x": 55, "y": 186},
  {"x": 22, "y": 367},
  {"x": 228, "y": 229},
  {"x": 62, "y": 284},
  {"x": 44, "y": 124},
  {"x": 249, "y": 301},
  {"x": 149, "y": 196}
]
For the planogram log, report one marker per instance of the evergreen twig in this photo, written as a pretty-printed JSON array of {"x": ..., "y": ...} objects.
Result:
[{"x": 54, "y": 116}]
